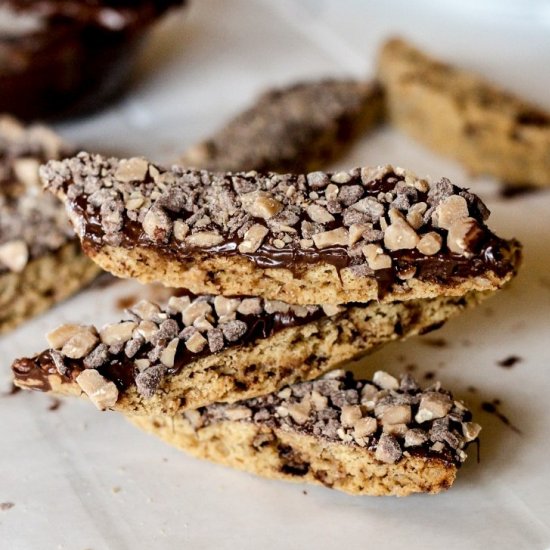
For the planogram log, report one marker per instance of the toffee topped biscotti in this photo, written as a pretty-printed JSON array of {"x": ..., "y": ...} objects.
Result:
[
  {"x": 332, "y": 238},
  {"x": 294, "y": 129},
  {"x": 381, "y": 437},
  {"x": 199, "y": 350}
]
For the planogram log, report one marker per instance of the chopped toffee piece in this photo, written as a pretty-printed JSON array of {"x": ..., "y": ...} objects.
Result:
[
  {"x": 317, "y": 238},
  {"x": 204, "y": 349},
  {"x": 358, "y": 436},
  {"x": 295, "y": 129}
]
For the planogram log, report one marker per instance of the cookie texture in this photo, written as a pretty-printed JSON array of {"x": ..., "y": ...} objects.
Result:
[
  {"x": 40, "y": 261},
  {"x": 379, "y": 437},
  {"x": 330, "y": 238},
  {"x": 205, "y": 350},
  {"x": 458, "y": 113},
  {"x": 294, "y": 129}
]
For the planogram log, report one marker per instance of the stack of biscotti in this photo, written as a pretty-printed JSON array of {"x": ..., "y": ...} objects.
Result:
[
  {"x": 284, "y": 278},
  {"x": 40, "y": 260}
]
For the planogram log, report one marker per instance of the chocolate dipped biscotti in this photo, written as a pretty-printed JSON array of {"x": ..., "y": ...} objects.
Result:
[
  {"x": 318, "y": 238},
  {"x": 460, "y": 114},
  {"x": 199, "y": 350},
  {"x": 385, "y": 437},
  {"x": 294, "y": 129},
  {"x": 41, "y": 262}
]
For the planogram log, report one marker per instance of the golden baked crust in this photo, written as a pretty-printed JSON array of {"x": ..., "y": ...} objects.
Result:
[
  {"x": 44, "y": 282},
  {"x": 264, "y": 365},
  {"x": 234, "y": 276},
  {"x": 459, "y": 114},
  {"x": 336, "y": 466}
]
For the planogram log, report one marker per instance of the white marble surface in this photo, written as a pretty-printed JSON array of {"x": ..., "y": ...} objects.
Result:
[{"x": 84, "y": 480}]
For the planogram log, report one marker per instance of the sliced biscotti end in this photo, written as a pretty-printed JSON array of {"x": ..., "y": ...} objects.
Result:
[
  {"x": 209, "y": 349},
  {"x": 41, "y": 262},
  {"x": 292, "y": 129},
  {"x": 352, "y": 236},
  {"x": 381, "y": 437},
  {"x": 459, "y": 113}
]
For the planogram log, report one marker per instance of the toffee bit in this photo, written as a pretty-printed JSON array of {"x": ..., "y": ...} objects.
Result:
[{"x": 394, "y": 417}]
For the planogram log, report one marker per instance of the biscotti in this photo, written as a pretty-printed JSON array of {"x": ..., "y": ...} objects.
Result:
[
  {"x": 385, "y": 437},
  {"x": 297, "y": 129},
  {"x": 318, "y": 238},
  {"x": 459, "y": 114},
  {"x": 200, "y": 350},
  {"x": 41, "y": 262}
]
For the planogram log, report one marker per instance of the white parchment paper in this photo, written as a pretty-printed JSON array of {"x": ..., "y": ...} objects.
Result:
[{"x": 80, "y": 480}]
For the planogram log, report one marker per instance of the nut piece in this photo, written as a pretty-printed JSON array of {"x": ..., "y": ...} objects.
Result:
[
  {"x": 117, "y": 333},
  {"x": 147, "y": 329},
  {"x": 146, "y": 310},
  {"x": 430, "y": 243},
  {"x": 462, "y": 234},
  {"x": 133, "y": 169},
  {"x": 299, "y": 412},
  {"x": 317, "y": 180},
  {"x": 237, "y": 412},
  {"x": 385, "y": 381},
  {"x": 364, "y": 427},
  {"x": 59, "y": 336},
  {"x": 157, "y": 225},
  {"x": 177, "y": 304},
  {"x": 415, "y": 437},
  {"x": 261, "y": 204},
  {"x": 332, "y": 309},
  {"x": 168, "y": 354},
  {"x": 14, "y": 255},
  {"x": 181, "y": 230},
  {"x": 415, "y": 215},
  {"x": 318, "y": 400},
  {"x": 253, "y": 238},
  {"x": 250, "y": 306},
  {"x": 376, "y": 259},
  {"x": 396, "y": 414},
  {"x": 433, "y": 405},
  {"x": 356, "y": 231},
  {"x": 336, "y": 237},
  {"x": 388, "y": 449},
  {"x": 319, "y": 214},
  {"x": 102, "y": 393},
  {"x": 196, "y": 343},
  {"x": 204, "y": 239},
  {"x": 26, "y": 171},
  {"x": 399, "y": 235},
  {"x": 450, "y": 210},
  {"x": 81, "y": 343},
  {"x": 194, "y": 311},
  {"x": 350, "y": 415},
  {"x": 470, "y": 430},
  {"x": 233, "y": 330},
  {"x": 225, "y": 306}
]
